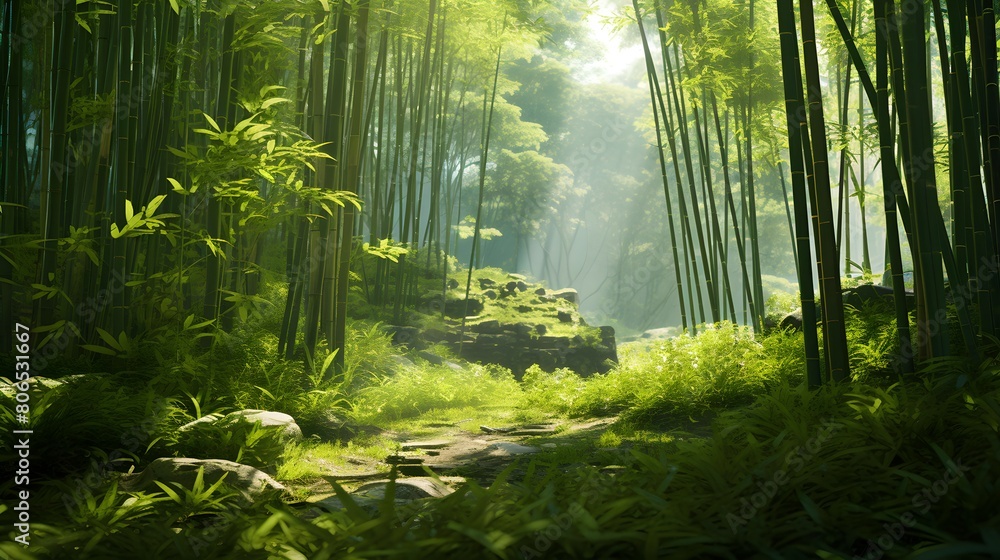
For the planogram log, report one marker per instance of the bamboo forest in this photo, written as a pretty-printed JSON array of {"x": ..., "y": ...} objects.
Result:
[{"x": 499, "y": 279}]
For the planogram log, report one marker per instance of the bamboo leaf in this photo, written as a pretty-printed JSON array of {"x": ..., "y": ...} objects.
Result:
[
  {"x": 170, "y": 492},
  {"x": 83, "y": 23},
  {"x": 245, "y": 123},
  {"x": 179, "y": 153},
  {"x": 273, "y": 101},
  {"x": 91, "y": 255},
  {"x": 98, "y": 349},
  {"x": 106, "y": 336},
  {"x": 268, "y": 89},
  {"x": 176, "y": 185},
  {"x": 212, "y": 123},
  {"x": 154, "y": 204}
]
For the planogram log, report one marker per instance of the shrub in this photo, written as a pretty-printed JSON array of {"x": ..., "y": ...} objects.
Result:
[
  {"x": 416, "y": 390},
  {"x": 556, "y": 391},
  {"x": 723, "y": 366}
]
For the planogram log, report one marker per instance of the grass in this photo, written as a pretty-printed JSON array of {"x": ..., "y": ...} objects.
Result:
[
  {"x": 417, "y": 390},
  {"x": 723, "y": 366},
  {"x": 706, "y": 426},
  {"x": 310, "y": 460},
  {"x": 853, "y": 460}
]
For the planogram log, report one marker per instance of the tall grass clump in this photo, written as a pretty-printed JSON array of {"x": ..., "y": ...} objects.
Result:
[
  {"x": 555, "y": 391},
  {"x": 415, "y": 390},
  {"x": 75, "y": 422},
  {"x": 723, "y": 366},
  {"x": 872, "y": 342}
]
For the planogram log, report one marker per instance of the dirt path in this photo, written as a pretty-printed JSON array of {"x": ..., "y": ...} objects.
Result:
[
  {"x": 458, "y": 451},
  {"x": 481, "y": 456},
  {"x": 455, "y": 454}
]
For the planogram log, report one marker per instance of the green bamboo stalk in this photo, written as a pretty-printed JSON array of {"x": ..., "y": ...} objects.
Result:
[
  {"x": 748, "y": 296},
  {"x": 891, "y": 187},
  {"x": 922, "y": 184},
  {"x": 351, "y": 183},
  {"x": 834, "y": 333},
  {"x": 335, "y": 125},
  {"x": 317, "y": 253},
  {"x": 796, "y": 121},
  {"x": 484, "y": 155},
  {"x": 656, "y": 99},
  {"x": 213, "y": 273},
  {"x": 122, "y": 108}
]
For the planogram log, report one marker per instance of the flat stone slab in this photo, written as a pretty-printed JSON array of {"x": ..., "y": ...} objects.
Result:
[
  {"x": 507, "y": 448},
  {"x": 333, "y": 503},
  {"x": 403, "y": 460},
  {"x": 533, "y": 432},
  {"x": 353, "y": 476},
  {"x": 430, "y": 444},
  {"x": 412, "y": 488},
  {"x": 491, "y": 430}
]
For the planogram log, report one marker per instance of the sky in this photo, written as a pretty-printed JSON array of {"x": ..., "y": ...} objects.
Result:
[{"x": 619, "y": 56}]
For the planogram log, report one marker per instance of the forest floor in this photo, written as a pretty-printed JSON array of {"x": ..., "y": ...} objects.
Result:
[{"x": 479, "y": 444}]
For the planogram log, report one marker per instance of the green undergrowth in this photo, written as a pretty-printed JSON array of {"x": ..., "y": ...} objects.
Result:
[
  {"x": 310, "y": 460},
  {"x": 905, "y": 471},
  {"x": 413, "y": 391},
  {"x": 718, "y": 451},
  {"x": 723, "y": 366}
]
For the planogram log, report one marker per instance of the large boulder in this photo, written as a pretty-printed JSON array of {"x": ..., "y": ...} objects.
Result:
[
  {"x": 453, "y": 307},
  {"x": 401, "y": 335},
  {"x": 411, "y": 495},
  {"x": 331, "y": 427},
  {"x": 490, "y": 336},
  {"x": 867, "y": 295},
  {"x": 491, "y": 326},
  {"x": 519, "y": 346},
  {"x": 250, "y": 482},
  {"x": 267, "y": 419},
  {"x": 792, "y": 321},
  {"x": 661, "y": 333},
  {"x": 568, "y": 294},
  {"x": 588, "y": 359},
  {"x": 410, "y": 488}
]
